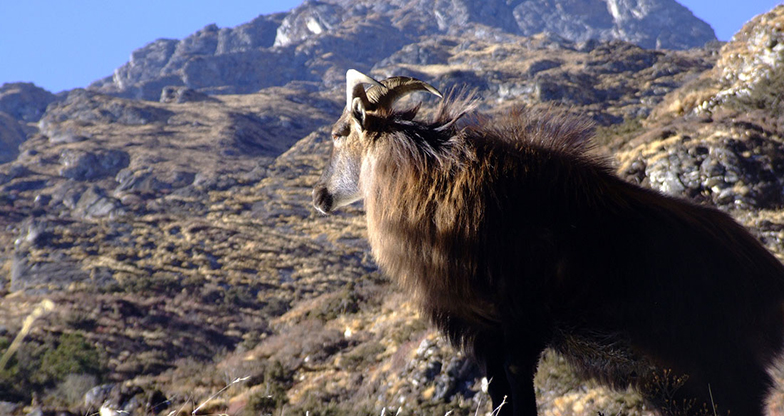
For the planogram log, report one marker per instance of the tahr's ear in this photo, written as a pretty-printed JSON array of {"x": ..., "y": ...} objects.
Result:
[
  {"x": 356, "y": 99},
  {"x": 358, "y": 112}
]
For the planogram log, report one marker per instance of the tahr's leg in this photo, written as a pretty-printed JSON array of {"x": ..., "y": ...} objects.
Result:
[
  {"x": 499, "y": 389},
  {"x": 489, "y": 353},
  {"x": 511, "y": 377},
  {"x": 521, "y": 362},
  {"x": 520, "y": 377}
]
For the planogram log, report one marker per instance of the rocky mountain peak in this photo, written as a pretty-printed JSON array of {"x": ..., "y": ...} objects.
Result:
[{"x": 322, "y": 36}]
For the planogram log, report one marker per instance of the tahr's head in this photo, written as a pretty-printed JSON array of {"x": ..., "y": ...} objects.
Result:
[{"x": 363, "y": 123}]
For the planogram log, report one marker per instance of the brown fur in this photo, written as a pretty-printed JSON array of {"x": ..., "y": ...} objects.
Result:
[{"x": 514, "y": 238}]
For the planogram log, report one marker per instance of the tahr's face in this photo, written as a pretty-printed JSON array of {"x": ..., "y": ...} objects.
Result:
[{"x": 339, "y": 183}]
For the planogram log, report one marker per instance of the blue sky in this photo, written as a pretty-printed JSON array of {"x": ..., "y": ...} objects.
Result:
[{"x": 64, "y": 44}]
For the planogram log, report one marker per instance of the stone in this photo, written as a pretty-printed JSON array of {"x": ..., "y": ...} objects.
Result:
[
  {"x": 179, "y": 95},
  {"x": 97, "y": 396},
  {"x": 84, "y": 165},
  {"x": 142, "y": 182},
  {"x": 35, "y": 277},
  {"x": 727, "y": 172},
  {"x": 95, "y": 203}
]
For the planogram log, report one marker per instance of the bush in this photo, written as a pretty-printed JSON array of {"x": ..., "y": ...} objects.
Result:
[
  {"x": 614, "y": 136},
  {"x": 41, "y": 365},
  {"x": 345, "y": 302},
  {"x": 153, "y": 284},
  {"x": 272, "y": 394},
  {"x": 73, "y": 355},
  {"x": 765, "y": 95},
  {"x": 363, "y": 355}
]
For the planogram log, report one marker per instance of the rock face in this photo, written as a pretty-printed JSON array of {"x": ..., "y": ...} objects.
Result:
[
  {"x": 20, "y": 103},
  {"x": 319, "y": 38},
  {"x": 160, "y": 63},
  {"x": 755, "y": 55},
  {"x": 83, "y": 166},
  {"x": 722, "y": 169},
  {"x": 650, "y": 24},
  {"x": 12, "y": 134},
  {"x": 313, "y": 18},
  {"x": 24, "y": 101},
  {"x": 719, "y": 137}
]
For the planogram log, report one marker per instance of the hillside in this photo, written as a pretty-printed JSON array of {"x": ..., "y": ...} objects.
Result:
[{"x": 165, "y": 211}]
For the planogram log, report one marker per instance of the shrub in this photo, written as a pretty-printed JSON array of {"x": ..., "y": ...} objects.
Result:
[
  {"x": 363, "y": 355},
  {"x": 272, "y": 394},
  {"x": 73, "y": 355},
  {"x": 344, "y": 302},
  {"x": 765, "y": 95},
  {"x": 154, "y": 284},
  {"x": 615, "y": 135},
  {"x": 41, "y": 365}
]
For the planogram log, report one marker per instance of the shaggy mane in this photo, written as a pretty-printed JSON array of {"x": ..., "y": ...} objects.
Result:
[{"x": 456, "y": 123}]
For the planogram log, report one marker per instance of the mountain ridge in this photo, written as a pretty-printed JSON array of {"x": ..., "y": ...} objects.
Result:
[{"x": 302, "y": 35}]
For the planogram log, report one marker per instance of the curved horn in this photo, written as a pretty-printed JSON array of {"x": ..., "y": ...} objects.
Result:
[
  {"x": 397, "y": 88},
  {"x": 355, "y": 88}
]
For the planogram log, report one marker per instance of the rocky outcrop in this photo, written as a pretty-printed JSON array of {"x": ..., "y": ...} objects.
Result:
[
  {"x": 310, "y": 19},
  {"x": 181, "y": 95},
  {"x": 20, "y": 103},
  {"x": 719, "y": 138},
  {"x": 84, "y": 165},
  {"x": 755, "y": 55},
  {"x": 160, "y": 63},
  {"x": 749, "y": 72},
  {"x": 733, "y": 171},
  {"x": 24, "y": 101},
  {"x": 12, "y": 134}
]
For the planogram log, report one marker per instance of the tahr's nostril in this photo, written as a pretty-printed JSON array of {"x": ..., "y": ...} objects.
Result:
[{"x": 322, "y": 199}]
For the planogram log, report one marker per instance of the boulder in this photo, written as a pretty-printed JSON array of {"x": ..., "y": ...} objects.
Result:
[
  {"x": 82, "y": 165},
  {"x": 179, "y": 95},
  {"x": 41, "y": 275}
]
